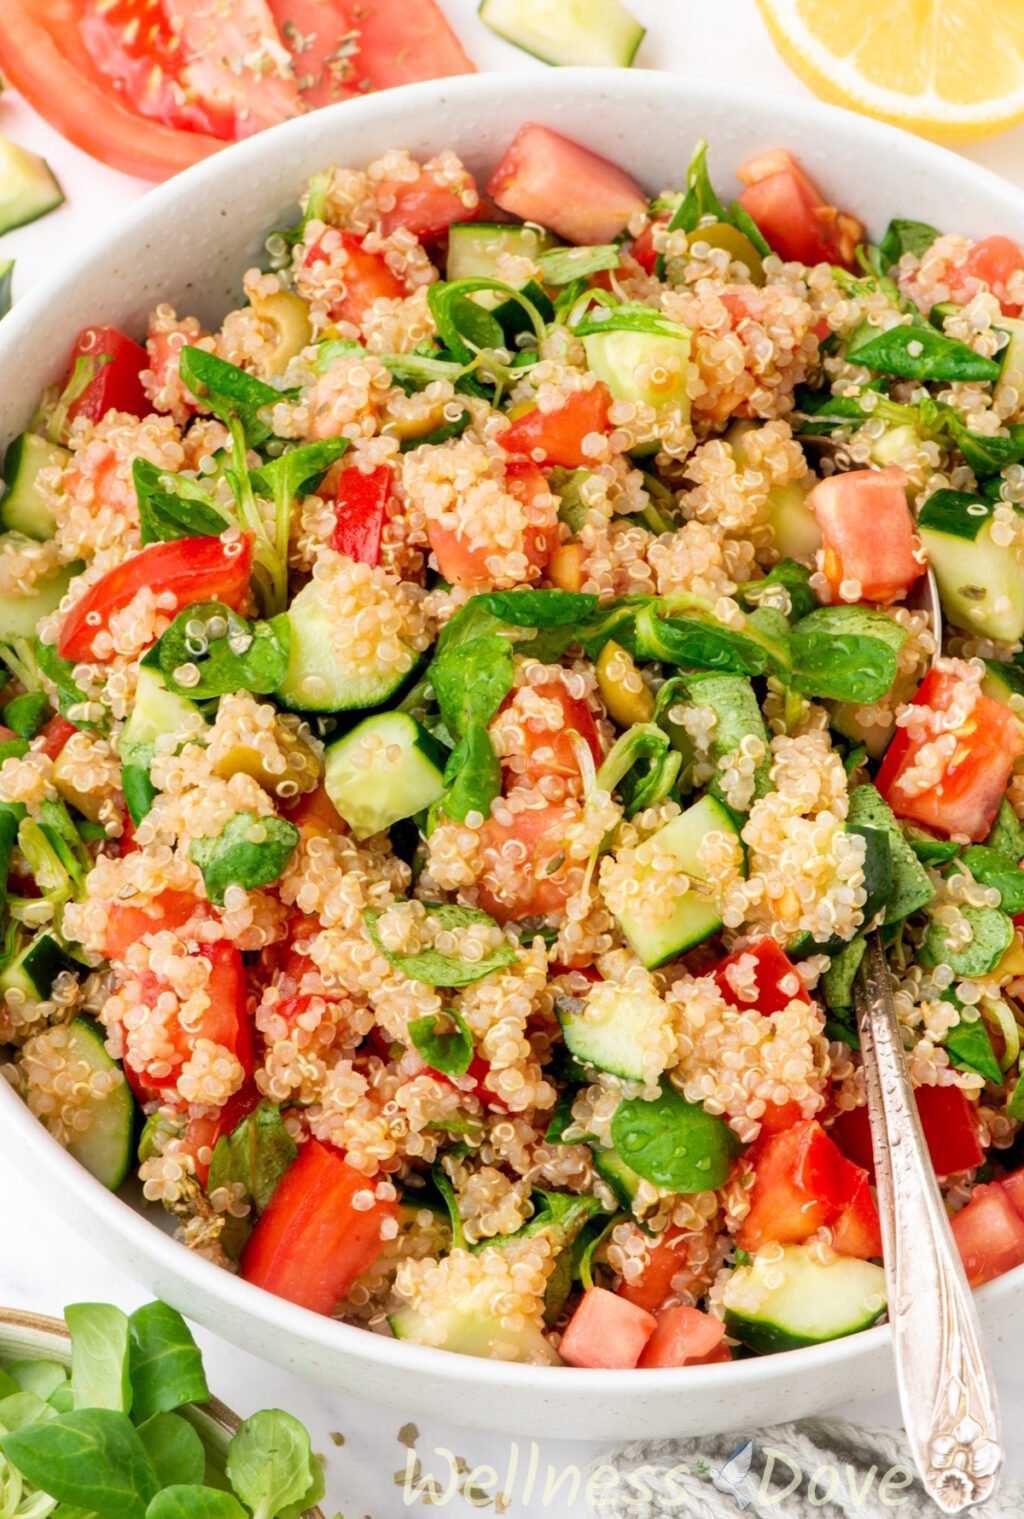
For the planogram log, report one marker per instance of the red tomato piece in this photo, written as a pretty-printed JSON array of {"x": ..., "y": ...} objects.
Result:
[
  {"x": 606, "y": 1332},
  {"x": 112, "y": 365},
  {"x": 793, "y": 215},
  {"x": 666, "y": 1261},
  {"x": 225, "y": 1021},
  {"x": 478, "y": 1072},
  {"x": 315, "y": 810},
  {"x": 858, "y": 1229},
  {"x": 192, "y": 65},
  {"x": 188, "y": 569},
  {"x": 345, "y": 48},
  {"x": 201, "y": 1134},
  {"x": 642, "y": 247},
  {"x": 538, "y": 884},
  {"x": 427, "y": 206},
  {"x": 361, "y": 510},
  {"x": 465, "y": 564},
  {"x": 43, "y": 54},
  {"x": 776, "y": 981},
  {"x": 780, "y": 1115},
  {"x": 53, "y": 735},
  {"x": 537, "y": 724},
  {"x": 975, "y": 778},
  {"x": 990, "y": 263},
  {"x": 127, "y": 924},
  {"x": 311, "y": 1242},
  {"x": 802, "y": 1182},
  {"x": 949, "y": 1124},
  {"x": 989, "y": 1234},
  {"x": 685, "y": 1337},
  {"x": 368, "y": 278},
  {"x": 547, "y": 178},
  {"x": 557, "y": 437},
  {"x": 1013, "y": 1186},
  {"x": 867, "y": 533}
]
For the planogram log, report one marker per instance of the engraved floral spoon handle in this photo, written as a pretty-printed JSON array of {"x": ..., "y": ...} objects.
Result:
[{"x": 947, "y": 1392}]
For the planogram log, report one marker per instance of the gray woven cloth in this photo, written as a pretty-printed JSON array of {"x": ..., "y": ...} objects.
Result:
[{"x": 817, "y": 1469}]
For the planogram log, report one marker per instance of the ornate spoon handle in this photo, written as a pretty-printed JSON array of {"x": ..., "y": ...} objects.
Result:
[{"x": 947, "y": 1393}]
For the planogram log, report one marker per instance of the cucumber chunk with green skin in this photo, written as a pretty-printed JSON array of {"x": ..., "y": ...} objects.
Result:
[
  {"x": 314, "y": 682},
  {"x": 620, "y": 357},
  {"x": 928, "y": 847},
  {"x": 796, "y": 528},
  {"x": 1002, "y": 681},
  {"x": 155, "y": 712},
  {"x": 23, "y": 508},
  {"x": 37, "y": 967},
  {"x": 28, "y": 188},
  {"x": 992, "y": 936},
  {"x": 1007, "y": 833},
  {"x": 584, "y": 33},
  {"x": 775, "y": 1304},
  {"x": 994, "y": 869},
  {"x": 694, "y": 917},
  {"x": 623, "y": 1180},
  {"x": 20, "y": 616},
  {"x": 911, "y": 888},
  {"x": 608, "y": 1030},
  {"x": 371, "y": 792},
  {"x": 105, "y": 1147},
  {"x": 981, "y": 584},
  {"x": 474, "y": 249},
  {"x": 473, "y": 1326}
]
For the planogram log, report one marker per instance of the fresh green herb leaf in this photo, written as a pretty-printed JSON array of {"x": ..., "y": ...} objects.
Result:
[
  {"x": 986, "y": 454},
  {"x": 230, "y": 392},
  {"x": 229, "y": 653},
  {"x": 272, "y": 1468},
  {"x": 745, "y": 223},
  {"x": 40, "y": 1377},
  {"x": 164, "y": 1361},
  {"x": 920, "y": 353},
  {"x": 466, "y": 328},
  {"x": 904, "y": 236},
  {"x": 540, "y": 609},
  {"x": 698, "y": 644},
  {"x": 629, "y": 316},
  {"x": 449, "y": 1052},
  {"x": 846, "y": 653},
  {"x": 442, "y": 1182},
  {"x": 91, "y": 1459},
  {"x": 642, "y": 766},
  {"x": 700, "y": 199},
  {"x": 139, "y": 791},
  {"x": 23, "y": 1410},
  {"x": 432, "y": 966},
  {"x": 673, "y": 1143},
  {"x": 70, "y": 696},
  {"x": 970, "y": 1049},
  {"x": 471, "y": 681},
  {"x": 257, "y": 1153},
  {"x": 560, "y": 266},
  {"x": 472, "y": 775},
  {"x": 793, "y": 578},
  {"x": 589, "y": 1241},
  {"x": 991, "y": 868},
  {"x": 190, "y": 1502},
  {"x": 26, "y": 714},
  {"x": 250, "y": 852},
  {"x": 442, "y": 434},
  {"x": 99, "y": 1356},
  {"x": 173, "y": 506},
  {"x": 174, "y": 1448}
]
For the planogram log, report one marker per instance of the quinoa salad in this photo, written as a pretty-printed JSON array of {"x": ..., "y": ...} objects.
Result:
[{"x": 461, "y": 718}]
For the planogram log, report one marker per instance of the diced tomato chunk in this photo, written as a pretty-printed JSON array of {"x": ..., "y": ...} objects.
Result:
[
  {"x": 685, "y": 1337},
  {"x": 535, "y": 729},
  {"x": 606, "y": 1332},
  {"x": 315, "y": 811},
  {"x": 559, "y": 436},
  {"x": 366, "y": 277},
  {"x": 975, "y": 777},
  {"x": 539, "y": 883},
  {"x": 126, "y": 924},
  {"x": 361, "y": 510},
  {"x": 547, "y": 178},
  {"x": 991, "y": 263},
  {"x": 947, "y": 1119},
  {"x": 867, "y": 534},
  {"x": 802, "y": 1183},
  {"x": 989, "y": 1234},
  {"x": 793, "y": 215},
  {"x": 666, "y": 1263},
  {"x": 1013, "y": 1185},
  {"x": 311, "y": 1242},
  {"x": 225, "y": 1022},
  {"x": 427, "y": 206},
  {"x": 858, "y": 1230},
  {"x": 465, "y": 563},
  {"x": 478, "y": 1072},
  {"x": 53, "y": 735},
  {"x": 776, "y": 981},
  {"x": 201, "y": 1134},
  {"x": 114, "y": 363},
  {"x": 642, "y": 247}
]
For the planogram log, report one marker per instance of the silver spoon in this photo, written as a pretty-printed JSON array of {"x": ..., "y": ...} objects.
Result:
[{"x": 946, "y": 1388}]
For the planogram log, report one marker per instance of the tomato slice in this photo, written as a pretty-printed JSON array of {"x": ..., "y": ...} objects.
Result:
[
  {"x": 465, "y": 564},
  {"x": 557, "y": 437},
  {"x": 606, "y": 1332},
  {"x": 992, "y": 262},
  {"x": 53, "y": 735},
  {"x": 949, "y": 1124},
  {"x": 361, "y": 510},
  {"x": 776, "y": 981},
  {"x": 793, "y": 215},
  {"x": 311, "y": 1243},
  {"x": 44, "y": 56},
  {"x": 127, "y": 924},
  {"x": 188, "y": 569},
  {"x": 225, "y": 1021},
  {"x": 802, "y": 1182},
  {"x": 974, "y": 781},
  {"x": 867, "y": 533},
  {"x": 115, "y": 364},
  {"x": 345, "y": 48},
  {"x": 547, "y": 178},
  {"x": 1013, "y": 1185},
  {"x": 685, "y": 1337},
  {"x": 536, "y": 725},
  {"x": 315, "y": 810},
  {"x": 989, "y": 1234},
  {"x": 367, "y": 278},
  {"x": 666, "y": 1260},
  {"x": 539, "y": 883},
  {"x": 427, "y": 206},
  {"x": 642, "y": 247}
]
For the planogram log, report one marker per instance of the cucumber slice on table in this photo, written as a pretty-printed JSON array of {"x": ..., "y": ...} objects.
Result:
[
  {"x": 20, "y": 616},
  {"x": 981, "y": 583},
  {"x": 22, "y": 507},
  {"x": 695, "y": 917},
  {"x": 599, "y": 33},
  {"x": 28, "y": 188},
  {"x": 372, "y": 795},
  {"x": 313, "y": 682},
  {"x": 806, "y": 1302}
]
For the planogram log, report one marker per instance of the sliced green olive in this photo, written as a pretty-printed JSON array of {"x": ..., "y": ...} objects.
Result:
[{"x": 736, "y": 243}]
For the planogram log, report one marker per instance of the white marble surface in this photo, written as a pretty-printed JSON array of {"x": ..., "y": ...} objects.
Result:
[{"x": 43, "y": 1265}]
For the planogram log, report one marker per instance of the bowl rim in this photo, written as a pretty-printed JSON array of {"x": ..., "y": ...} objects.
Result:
[{"x": 345, "y": 1342}]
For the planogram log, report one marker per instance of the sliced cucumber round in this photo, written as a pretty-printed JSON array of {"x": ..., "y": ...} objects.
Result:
[
  {"x": 313, "y": 681},
  {"x": 783, "y": 1304},
  {"x": 106, "y": 1148},
  {"x": 608, "y": 1032}
]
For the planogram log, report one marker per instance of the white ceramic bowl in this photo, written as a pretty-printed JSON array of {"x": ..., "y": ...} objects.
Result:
[{"x": 189, "y": 242}]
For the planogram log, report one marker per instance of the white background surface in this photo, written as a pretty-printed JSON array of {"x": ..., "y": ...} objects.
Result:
[{"x": 43, "y": 1265}]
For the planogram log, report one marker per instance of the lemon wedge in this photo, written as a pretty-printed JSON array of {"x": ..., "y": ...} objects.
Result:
[{"x": 950, "y": 69}]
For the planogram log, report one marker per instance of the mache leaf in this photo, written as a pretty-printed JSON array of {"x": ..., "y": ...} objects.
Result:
[
  {"x": 673, "y": 1143},
  {"x": 250, "y": 852},
  {"x": 230, "y": 392},
  {"x": 846, "y": 653},
  {"x": 920, "y": 353},
  {"x": 165, "y": 1365},
  {"x": 173, "y": 506},
  {"x": 431, "y": 966},
  {"x": 257, "y": 1153},
  {"x": 230, "y": 653}
]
